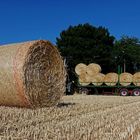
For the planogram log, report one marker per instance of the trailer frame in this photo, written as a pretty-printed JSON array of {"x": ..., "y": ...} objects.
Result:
[{"x": 118, "y": 89}]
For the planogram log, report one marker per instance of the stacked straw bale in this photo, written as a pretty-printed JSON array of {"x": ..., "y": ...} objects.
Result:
[
  {"x": 84, "y": 79},
  {"x": 111, "y": 79},
  {"x": 98, "y": 79},
  {"x": 125, "y": 79},
  {"x": 136, "y": 79},
  {"x": 93, "y": 69},
  {"x": 80, "y": 69},
  {"x": 32, "y": 74},
  {"x": 92, "y": 74},
  {"x": 89, "y": 74}
]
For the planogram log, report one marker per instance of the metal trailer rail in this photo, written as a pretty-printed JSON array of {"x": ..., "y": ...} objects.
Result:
[{"x": 114, "y": 90}]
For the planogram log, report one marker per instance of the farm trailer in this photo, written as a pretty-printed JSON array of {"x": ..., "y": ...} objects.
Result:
[{"x": 117, "y": 89}]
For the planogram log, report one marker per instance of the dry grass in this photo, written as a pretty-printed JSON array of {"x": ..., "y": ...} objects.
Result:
[{"x": 77, "y": 117}]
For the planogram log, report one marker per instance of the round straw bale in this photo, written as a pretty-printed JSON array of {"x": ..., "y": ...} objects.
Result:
[
  {"x": 93, "y": 69},
  {"x": 111, "y": 79},
  {"x": 136, "y": 79},
  {"x": 98, "y": 79},
  {"x": 80, "y": 68},
  {"x": 32, "y": 74},
  {"x": 84, "y": 79},
  {"x": 125, "y": 79}
]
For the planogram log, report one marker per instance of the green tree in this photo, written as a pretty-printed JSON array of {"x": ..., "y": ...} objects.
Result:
[
  {"x": 127, "y": 52},
  {"x": 85, "y": 43}
]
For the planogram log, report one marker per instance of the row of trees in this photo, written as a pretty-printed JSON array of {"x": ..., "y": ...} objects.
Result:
[{"x": 89, "y": 44}]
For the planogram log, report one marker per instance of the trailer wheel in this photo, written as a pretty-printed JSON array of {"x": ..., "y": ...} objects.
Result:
[
  {"x": 136, "y": 92},
  {"x": 84, "y": 91},
  {"x": 124, "y": 92}
]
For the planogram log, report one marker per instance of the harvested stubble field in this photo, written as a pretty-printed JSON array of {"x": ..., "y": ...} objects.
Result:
[{"x": 77, "y": 117}]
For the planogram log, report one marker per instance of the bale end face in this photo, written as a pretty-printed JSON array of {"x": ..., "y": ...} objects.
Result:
[
  {"x": 125, "y": 79},
  {"x": 44, "y": 74},
  {"x": 111, "y": 79}
]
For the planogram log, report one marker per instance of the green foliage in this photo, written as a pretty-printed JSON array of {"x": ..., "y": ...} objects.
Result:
[
  {"x": 85, "y": 43},
  {"x": 127, "y": 50}
]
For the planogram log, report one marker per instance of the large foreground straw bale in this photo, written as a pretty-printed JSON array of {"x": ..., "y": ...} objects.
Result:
[
  {"x": 125, "y": 79},
  {"x": 32, "y": 74},
  {"x": 93, "y": 69},
  {"x": 136, "y": 79},
  {"x": 111, "y": 79},
  {"x": 80, "y": 68}
]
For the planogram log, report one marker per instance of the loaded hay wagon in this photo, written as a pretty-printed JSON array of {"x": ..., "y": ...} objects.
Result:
[{"x": 121, "y": 83}]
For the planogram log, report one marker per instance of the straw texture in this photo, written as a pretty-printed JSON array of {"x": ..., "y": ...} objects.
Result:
[
  {"x": 80, "y": 68},
  {"x": 84, "y": 79},
  {"x": 136, "y": 79},
  {"x": 98, "y": 79},
  {"x": 32, "y": 74},
  {"x": 111, "y": 79},
  {"x": 125, "y": 79},
  {"x": 93, "y": 69}
]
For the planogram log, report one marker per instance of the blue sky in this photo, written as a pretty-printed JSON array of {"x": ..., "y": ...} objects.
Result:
[{"x": 23, "y": 20}]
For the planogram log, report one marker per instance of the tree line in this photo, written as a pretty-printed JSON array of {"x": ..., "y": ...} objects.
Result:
[{"x": 85, "y": 43}]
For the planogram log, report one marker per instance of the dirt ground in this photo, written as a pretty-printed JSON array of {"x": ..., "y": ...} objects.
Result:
[{"x": 77, "y": 117}]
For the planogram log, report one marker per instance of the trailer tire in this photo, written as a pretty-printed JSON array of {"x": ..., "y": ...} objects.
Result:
[
  {"x": 124, "y": 92},
  {"x": 84, "y": 91},
  {"x": 136, "y": 92}
]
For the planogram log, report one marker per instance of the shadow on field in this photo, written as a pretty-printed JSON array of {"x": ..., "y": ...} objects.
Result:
[{"x": 65, "y": 104}]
